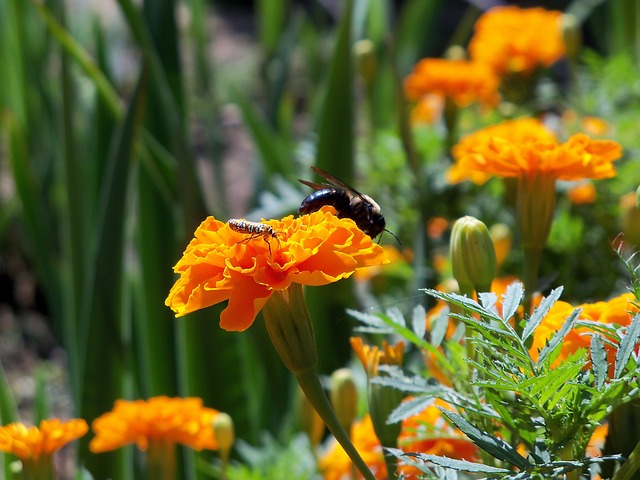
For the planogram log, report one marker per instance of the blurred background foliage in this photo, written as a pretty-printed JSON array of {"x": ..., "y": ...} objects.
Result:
[{"x": 123, "y": 124}]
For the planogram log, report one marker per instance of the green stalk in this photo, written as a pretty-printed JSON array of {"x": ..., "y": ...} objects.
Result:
[
  {"x": 312, "y": 388},
  {"x": 630, "y": 467}
]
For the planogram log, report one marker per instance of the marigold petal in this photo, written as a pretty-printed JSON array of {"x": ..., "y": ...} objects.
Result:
[{"x": 247, "y": 300}]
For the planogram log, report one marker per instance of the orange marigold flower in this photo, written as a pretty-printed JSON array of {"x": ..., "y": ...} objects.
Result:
[
  {"x": 221, "y": 264},
  {"x": 396, "y": 260},
  {"x": 336, "y": 465},
  {"x": 372, "y": 357},
  {"x": 462, "y": 81},
  {"x": 429, "y": 432},
  {"x": 594, "y": 125},
  {"x": 426, "y": 432},
  {"x": 617, "y": 311},
  {"x": 35, "y": 442},
  {"x": 160, "y": 419},
  {"x": 577, "y": 158},
  {"x": 519, "y": 131},
  {"x": 515, "y": 40},
  {"x": 428, "y": 109},
  {"x": 584, "y": 192}
]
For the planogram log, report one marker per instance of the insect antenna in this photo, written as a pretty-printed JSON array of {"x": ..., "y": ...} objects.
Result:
[{"x": 394, "y": 236}]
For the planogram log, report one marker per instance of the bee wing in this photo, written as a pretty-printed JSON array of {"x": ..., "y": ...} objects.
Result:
[
  {"x": 336, "y": 182},
  {"x": 315, "y": 186}
]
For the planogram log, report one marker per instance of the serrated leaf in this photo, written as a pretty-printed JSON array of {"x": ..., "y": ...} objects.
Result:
[
  {"x": 488, "y": 300},
  {"x": 559, "y": 336},
  {"x": 494, "y": 446},
  {"x": 395, "y": 315},
  {"x": 410, "y": 408},
  {"x": 600, "y": 365},
  {"x": 368, "y": 319},
  {"x": 439, "y": 328},
  {"x": 627, "y": 345},
  {"x": 419, "y": 321},
  {"x": 460, "y": 465},
  {"x": 541, "y": 312},
  {"x": 511, "y": 300}
]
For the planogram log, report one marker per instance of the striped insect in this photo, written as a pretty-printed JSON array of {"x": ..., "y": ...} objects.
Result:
[{"x": 255, "y": 229}]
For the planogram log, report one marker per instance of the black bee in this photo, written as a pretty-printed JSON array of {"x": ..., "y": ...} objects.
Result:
[
  {"x": 348, "y": 202},
  {"x": 255, "y": 229}
]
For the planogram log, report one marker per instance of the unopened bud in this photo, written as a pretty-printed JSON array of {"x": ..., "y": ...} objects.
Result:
[
  {"x": 224, "y": 433},
  {"x": 344, "y": 397},
  {"x": 382, "y": 401},
  {"x": 630, "y": 218},
  {"x": 473, "y": 256},
  {"x": 366, "y": 60},
  {"x": 572, "y": 34},
  {"x": 455, "y": 52}
]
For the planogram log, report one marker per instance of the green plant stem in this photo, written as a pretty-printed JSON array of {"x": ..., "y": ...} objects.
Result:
[
  {"x": 532, "y": 260},
  {"x": 630, "y": 467},
  {"x": 161, "y": 460},
  {"x": 312, "y": 388}
]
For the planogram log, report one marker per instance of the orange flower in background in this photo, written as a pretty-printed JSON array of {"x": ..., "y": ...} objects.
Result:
[
  {"x": 577, "y": 158},
  {"x": 429, "y": 432},
  {"x": 515, "y": 40},
  {"x": 395, "y": 259},
  {"x": 182, "y": 421},
  {"x": 426, "y": 432},
  {"x": 30, "y": 442},
  {"x": 372, "y": 357},
  {"x": 221, "y": 264},
  {"x": 594, "y": 125},
  {"x": 428, "y": 109},
  {"x": 520, "y": 131},
  {"x": 584, "y": 192},
  {"x": 617, "y": 311},
  {"x": 336, "y": 465},
  {"x": 462, "y": 81}
]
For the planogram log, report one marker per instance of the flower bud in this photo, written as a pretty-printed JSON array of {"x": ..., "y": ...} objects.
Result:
[
  {"x": 344, "y": 397},
  {"x": 366, "y": 60},
  {"x": 224, "y": 433},
  {"x": 473, "y": 256},
  {"x": 382, "y": 401},
  {"x": 572, "y": 35},
  {"x": 630, "y": 218},
  {"x": 310, "y": 421}
]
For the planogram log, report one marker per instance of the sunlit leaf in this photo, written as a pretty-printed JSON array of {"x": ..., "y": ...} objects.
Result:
[
  {"x": 599, "y": 362},
  {"x": 627, "y": 345},
  {"x": 540, "y": 312}
]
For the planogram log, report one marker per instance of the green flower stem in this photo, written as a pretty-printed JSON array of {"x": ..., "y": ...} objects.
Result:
[
  {"x": 532, "y": 260},
  {"x": 40, "y": 468},
  {"x": 312, "y": 388},
  {"x": 161, "y": 460},
  {"x": 290, "y": 328},
  {"x": 630, "y": 467}
]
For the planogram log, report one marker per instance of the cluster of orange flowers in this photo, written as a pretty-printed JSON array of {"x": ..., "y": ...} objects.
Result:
[
  {"x": 182, "y": 421},
  {"x": 507, "y": 40},
  {"x": 427, "y": 432},
  {"x": 617, "y": 311}
]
